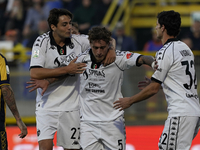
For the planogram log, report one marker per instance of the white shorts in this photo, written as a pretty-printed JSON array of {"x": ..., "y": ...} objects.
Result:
[
  {"x": 178, "y": 133},
  {"x": 103, "y": 135},
  {"x": 67, "y": 125}
]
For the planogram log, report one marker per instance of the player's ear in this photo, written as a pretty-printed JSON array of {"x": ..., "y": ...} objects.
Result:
[
  {"x": 163, "y": 28},
  {"x": 53, "y": 27}
]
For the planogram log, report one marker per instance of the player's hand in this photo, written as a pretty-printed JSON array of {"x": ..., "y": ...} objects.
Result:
[
  {"x": 143, "y": 84},
  {"x": 122, "y": 103},
  {"x": 75, "y": 68},
  {"x": 110, "y": 57},
  {"x": 34, "y": 84},
  {"x": 22, "y": 128},
  {"x": 154, "y": 65}
]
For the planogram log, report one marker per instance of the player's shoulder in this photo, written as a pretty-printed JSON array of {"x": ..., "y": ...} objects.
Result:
[
  {"x": 84, "y": 57},
  {"x": 79, "y": 36},
  {"x": 43, "y": 38},
  {"x": 120, "y": 53},
  {"x": 2, "y": 58},
  {"x": 128, "y": 54}
]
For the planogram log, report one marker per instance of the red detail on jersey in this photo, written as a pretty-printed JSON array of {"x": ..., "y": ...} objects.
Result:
[{"x": 128, "y": 55}]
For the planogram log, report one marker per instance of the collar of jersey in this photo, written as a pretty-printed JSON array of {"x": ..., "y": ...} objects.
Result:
[
  {"x": 53, "y": 42},
  {"x": 93, "y": 60},
  {"x": 170, "y": 40}
]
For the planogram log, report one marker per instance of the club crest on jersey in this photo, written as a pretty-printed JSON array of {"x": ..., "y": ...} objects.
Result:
[
  {"x": 129, "y": 55},
  {"x": 36, "y": 53},
  {"x": 71, "y": 45},
  {"x": 64, "y": 60}
]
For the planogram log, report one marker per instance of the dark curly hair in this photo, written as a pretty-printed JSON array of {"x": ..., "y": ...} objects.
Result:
[
  {"x": 171, "y": 20},
  {"x": 99, "y": 33},
  {"x": 55, "y": 14}
]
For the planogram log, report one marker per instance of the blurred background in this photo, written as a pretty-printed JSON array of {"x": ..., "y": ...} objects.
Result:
[{"x": 132, "y": 23}]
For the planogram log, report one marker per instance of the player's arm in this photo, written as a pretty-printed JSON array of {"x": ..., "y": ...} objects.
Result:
[
  {"x": 34, "y": 84},
  {"x": 8, "y": 96},
  {"x": 43, "y": 73},
  {"x": 147, "y": 92},
  {"x": 148, "y": 60},
  {"x": 111, "y": 55}
]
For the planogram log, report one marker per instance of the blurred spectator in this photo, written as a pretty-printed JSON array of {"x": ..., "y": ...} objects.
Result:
[
  {"x": 42, "y": 28},
  {"x": 154, "y": 44},
  {"x": 70, "y": 5},
  {"x": 101, "y": 10},
  {"x": 50, "y": 4},
  {"x": 75, "y": 28},
  {"x": 123, "y": 42},
  {"x": 16, "y": 16},
  {"x": 187, "y": 41},
  {"x": 84, "y": 15},
  {"x": 3, "y": 18},
  {"x": 11, "y": 35},
  {"x": 34, "y": 15},
  {"x": 194, "y": 34}
]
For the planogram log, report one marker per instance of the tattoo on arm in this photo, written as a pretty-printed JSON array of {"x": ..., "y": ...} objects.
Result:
[
  {"x": 146, "y": 60},
  {"x": 9, "y": 98}
]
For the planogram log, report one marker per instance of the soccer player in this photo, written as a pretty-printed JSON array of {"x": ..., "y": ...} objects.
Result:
[
  {"x": 176, "y": 74},
  {"x": 100, "y": 86},
  {"x": 53, "y": 55},
  {"x": 102, "y": 126},
  {"x": 7, "y": 97}
]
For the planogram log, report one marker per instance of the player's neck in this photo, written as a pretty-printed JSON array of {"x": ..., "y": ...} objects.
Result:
[
  {"x": 165, "y": 38},
  {"x": 60, "y": 41}
]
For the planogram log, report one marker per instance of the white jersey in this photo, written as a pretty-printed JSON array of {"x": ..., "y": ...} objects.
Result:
[
  {"x": 100, "y": 87},
  {"x": 177, "y": 73},
  {"x": 61, "y": 95}
]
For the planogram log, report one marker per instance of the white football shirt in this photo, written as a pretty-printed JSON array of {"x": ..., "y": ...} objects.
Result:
[
  {"x": 176, "y": 71},
  {"x": 61, "y": 95},
  {"x": 100, "y": 87}
]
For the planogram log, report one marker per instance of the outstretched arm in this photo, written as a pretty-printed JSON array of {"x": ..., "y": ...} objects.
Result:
[
  {"x": 8, "y": 96},
  {"x": 43, "y": 84},
  {"x": 148, "y": 60},
  {"x": 146, "y": 93},
  {"x": 43, "y": 73}
]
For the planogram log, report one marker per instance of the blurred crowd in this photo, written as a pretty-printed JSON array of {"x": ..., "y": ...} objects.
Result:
[{"x": 23, "y": 20}]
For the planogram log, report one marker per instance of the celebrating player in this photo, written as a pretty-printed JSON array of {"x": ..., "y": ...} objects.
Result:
[
  {"x": 99, "y": 87},
  {"x": 176, "y": 72},
  {"x": 53, "y": 55}
]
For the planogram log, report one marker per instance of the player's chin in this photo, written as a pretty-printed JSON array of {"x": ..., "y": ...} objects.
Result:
[{"x": 67, "y": 35}]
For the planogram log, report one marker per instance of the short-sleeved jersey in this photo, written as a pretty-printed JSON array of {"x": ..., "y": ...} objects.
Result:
[
  {"x": 176, "y": 71},
  {"x": 100, "y": 87},
  {"x": 63, "y": 94},
  {"x": 4, "y": 80}
]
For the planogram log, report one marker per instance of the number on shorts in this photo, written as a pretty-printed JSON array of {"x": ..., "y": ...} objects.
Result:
[
  {"x": 164, "y": 139},
  {"x": 74, "y": 132},
  {"x": 120, "y": 144}
]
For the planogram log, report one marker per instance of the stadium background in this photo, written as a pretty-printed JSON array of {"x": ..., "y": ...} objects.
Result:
[{"x": 144, "y": 121}]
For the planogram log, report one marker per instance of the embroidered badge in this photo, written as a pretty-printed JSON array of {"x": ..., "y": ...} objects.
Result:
[
  {"x": 61, "y": 51},
  {"x": 71, "y": 45},
  {"x": 95, "y": 66},
  {"x": 36, "y": 53}
]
